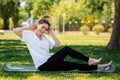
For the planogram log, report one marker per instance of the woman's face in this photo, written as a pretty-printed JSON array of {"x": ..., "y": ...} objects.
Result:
[{"x": 42, "y": 28}]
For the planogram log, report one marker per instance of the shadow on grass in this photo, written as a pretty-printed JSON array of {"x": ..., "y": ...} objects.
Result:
[{"x": 15, "y": 52}]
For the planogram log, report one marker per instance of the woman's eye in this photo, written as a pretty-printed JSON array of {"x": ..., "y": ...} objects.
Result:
[
  {"x": 46, "y": 29},
  {"x": 43, "y": 27}
]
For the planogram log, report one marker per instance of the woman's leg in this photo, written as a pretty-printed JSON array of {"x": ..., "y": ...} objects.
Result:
[
  {"x": 55, "y": 60},
  {"x": 75, "y": 54},
  {"x": 61, "y": 54},
  {"x": 65, "y": 65},
  {"x": 58, "y": 58}
]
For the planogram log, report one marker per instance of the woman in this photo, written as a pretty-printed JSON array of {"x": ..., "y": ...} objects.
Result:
[{"x": 39, "y": 44}]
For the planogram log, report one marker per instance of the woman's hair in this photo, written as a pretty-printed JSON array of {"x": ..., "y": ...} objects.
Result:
[{"x": 41, "y": 21}]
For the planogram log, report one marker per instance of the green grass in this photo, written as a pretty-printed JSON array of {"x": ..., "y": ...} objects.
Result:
[{"x": 15, "y": 52}]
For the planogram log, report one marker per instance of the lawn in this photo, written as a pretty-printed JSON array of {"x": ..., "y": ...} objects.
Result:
[{"x": 15, "y": 52}]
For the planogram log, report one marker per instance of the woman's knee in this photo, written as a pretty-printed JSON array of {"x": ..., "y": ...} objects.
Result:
[{"x": 66, "y": 47}]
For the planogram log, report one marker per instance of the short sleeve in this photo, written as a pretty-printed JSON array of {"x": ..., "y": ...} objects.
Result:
[
  {"x": 25, "y": 35},
  {"x": 51, "y": 43}
]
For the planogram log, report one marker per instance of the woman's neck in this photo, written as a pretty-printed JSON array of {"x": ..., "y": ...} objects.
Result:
[{"x": 38, "y": 35}]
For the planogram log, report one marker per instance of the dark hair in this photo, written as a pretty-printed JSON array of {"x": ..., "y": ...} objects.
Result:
[{"x": 41, "y": 21}]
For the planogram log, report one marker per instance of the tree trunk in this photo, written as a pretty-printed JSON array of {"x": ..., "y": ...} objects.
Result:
[
  {"x": 9, "y": 9},
  {"x": 6, "y": 23},
  {"x": 114, "y": 43}
]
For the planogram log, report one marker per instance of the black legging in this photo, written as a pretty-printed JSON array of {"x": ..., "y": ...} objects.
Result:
[{"x": 57, "y": 63}]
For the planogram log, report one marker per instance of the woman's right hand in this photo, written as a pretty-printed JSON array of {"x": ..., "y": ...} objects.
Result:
[{"x": 33, "y": 27}]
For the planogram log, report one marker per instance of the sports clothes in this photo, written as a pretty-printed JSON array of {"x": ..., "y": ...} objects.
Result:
[
  {"x": 39, "y": 49},
  {"x": 57, "y": 63}
]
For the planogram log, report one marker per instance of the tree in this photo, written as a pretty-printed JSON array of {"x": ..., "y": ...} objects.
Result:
[
  {"x": 100, "y": 9},
  {"x": 74, "y": 11},
  {"x": 9, "y": 9},
  {"x": 41, "y": 7},
  {"x": 29, "y": 6},
  {"x": 114, "y": 43}
]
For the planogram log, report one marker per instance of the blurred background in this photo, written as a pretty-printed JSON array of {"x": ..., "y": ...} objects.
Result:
[{"x": 64, "y": 15}]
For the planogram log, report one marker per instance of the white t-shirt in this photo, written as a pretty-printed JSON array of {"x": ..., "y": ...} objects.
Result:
[{"x": 39, "y": 49}]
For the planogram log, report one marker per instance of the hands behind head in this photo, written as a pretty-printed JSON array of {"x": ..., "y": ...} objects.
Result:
[
  {"x": 50, "y": 31},
  {"x": 33, "y": 27}
]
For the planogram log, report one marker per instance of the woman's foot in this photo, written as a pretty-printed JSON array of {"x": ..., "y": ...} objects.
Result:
[
  {"x": 93, "y": 61},
  {"x": 103, "y": 66}
]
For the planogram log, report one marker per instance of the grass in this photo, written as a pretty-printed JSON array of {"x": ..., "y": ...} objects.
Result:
[{"x": 15, "y": 52}]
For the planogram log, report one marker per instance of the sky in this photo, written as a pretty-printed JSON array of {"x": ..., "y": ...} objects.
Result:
[{"x": 22, "y": 4}]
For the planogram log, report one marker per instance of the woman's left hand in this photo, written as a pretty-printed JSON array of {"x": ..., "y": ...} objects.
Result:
[{"x": 51, "y": 32}]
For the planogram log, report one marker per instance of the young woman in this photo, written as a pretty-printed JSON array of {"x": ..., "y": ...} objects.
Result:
[{"x": 39, "y": 45}]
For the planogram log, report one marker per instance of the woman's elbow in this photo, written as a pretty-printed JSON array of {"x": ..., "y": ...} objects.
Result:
[
  {"x": 17, "y": 32},
  {"x": 14, "y": 30},
  {"x": 58, "y": 45}
]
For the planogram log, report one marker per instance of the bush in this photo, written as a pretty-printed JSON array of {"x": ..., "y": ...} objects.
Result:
[
  {"x": 84, "y": 29},
  {"x": 11, "y": 24},
  {"x": 110, "y": 30},
  {"x": 1, "y": 23},
  {"x": 98, "y": 28}
]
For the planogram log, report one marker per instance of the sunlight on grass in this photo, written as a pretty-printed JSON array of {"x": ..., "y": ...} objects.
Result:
[
  {"x": 15, "y": 52},
  {"x": 8, "y": 36}
]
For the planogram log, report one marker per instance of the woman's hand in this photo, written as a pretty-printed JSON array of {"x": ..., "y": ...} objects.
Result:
[
  {"x": 57, "y": 42},
  {"x": 51, "y": 32},
  {"x": 33, "y": 27}
]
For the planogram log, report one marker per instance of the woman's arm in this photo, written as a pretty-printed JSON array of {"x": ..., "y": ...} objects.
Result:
[
  {"x": 57, "y": 42},
  {"x": 19, "y": 30}
]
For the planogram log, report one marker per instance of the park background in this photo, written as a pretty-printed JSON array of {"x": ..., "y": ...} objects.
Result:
[{"x": 84, "y": 25}]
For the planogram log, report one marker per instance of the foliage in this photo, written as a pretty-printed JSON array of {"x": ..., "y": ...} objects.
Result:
[
  {"x": 110, "y": 30},
  {"x": 84, "y": 29},
  {"x": 9, "y": 8},
  {"x": 83, "y": 10},
  {"x": 74, "y": 11},
  {"x": 105, "y": 17},
  {"x": 107, "y": 10},
  {"x": 41, "y": 7},
  {"x": 98, "y": 28},
  {"x": 89, "y": 21},
  {"x": 1, "y": 23},
  {"x": 11, "y": 24},
  {"x": 29, "y": 6},
  {"x": 112, "y": 9},
  {"x": 23, "y": 15},
  {"x": 101, "y": 10}
]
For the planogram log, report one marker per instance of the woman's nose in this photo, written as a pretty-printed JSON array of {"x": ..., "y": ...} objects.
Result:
[{"x": 43, "y": 30}]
